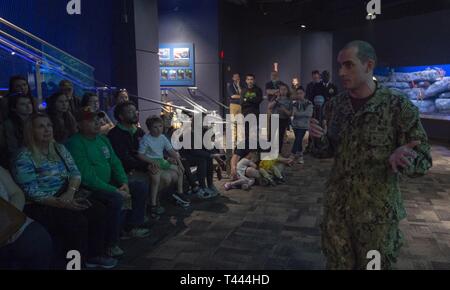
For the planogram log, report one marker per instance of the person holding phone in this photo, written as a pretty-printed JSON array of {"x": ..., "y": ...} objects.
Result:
[{"x": 47, "y": 174}]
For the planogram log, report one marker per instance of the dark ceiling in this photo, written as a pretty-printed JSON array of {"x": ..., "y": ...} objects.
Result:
[{"x": 329, "y": 14}]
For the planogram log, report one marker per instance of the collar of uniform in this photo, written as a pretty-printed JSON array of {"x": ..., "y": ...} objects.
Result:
[{"x": 374, "y": 102}]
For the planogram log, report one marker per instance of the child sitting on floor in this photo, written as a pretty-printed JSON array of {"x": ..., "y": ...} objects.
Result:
[
  {"x": 246, "y": 171},
  {"x": 271, "y": 170}
]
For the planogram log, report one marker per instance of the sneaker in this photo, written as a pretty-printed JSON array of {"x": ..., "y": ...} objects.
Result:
[
  {"x": 300, "y": 160},
  {"x": 213, "y": 191},
  {"x": 204, "y": 193},
  {"x": 227, "y": 186},
  {"x": 102, "y": 262},
  {"x": 115, "y": 251},
  {"x": 180, "y": 201},
  {"x": 139, "y": 233},
  {"x": 280, "y": 181}
]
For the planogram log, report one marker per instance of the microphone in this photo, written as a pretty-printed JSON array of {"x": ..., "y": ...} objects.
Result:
[{"x": 318, "y": 108}]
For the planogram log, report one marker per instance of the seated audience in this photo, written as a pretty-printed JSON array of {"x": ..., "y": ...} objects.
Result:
[
  {"x": 121, "y": 96},
  {"x": 104, "y": 176},
  {"x": 151, "y": 150},
  {"x": 66, "y": 87},
  {"x": 20, "y": 109},
  {"x": 29, "y": 247},
  {"x": 272, "y": 169},
  {"x": 246, "y": 170},
  {"x": 203, "y": 160},
  {"x": 50, "y": 180},
  {"x": 64, "y": 123},
  {"x": 125, "y": 139},
  {"x": 92, "y": 100},
  {"x": 240, "y": 152},
  {"x": 17, "y": 85}
]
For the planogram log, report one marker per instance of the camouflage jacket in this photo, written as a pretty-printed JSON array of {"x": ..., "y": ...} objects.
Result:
[{"x": 362, "y": 184}]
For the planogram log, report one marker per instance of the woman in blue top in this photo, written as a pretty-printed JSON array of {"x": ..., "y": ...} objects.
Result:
[{"x": 50, "y": 180}]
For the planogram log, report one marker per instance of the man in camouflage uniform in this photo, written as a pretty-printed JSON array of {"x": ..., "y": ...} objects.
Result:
[{"x": 374, "y": 134}]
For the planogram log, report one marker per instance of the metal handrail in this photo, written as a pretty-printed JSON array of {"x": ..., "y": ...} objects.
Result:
[
  {"x": 45, "y": 54},
  {"x": 23, "y": 31}
]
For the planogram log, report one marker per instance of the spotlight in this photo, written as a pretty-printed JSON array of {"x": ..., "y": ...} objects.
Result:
[
  {"x": 13, "y": 53},
  {"x": 371, "y": 16}
]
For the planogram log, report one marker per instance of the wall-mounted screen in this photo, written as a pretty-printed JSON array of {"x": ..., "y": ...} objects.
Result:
[{"x": 177, "y": 64}]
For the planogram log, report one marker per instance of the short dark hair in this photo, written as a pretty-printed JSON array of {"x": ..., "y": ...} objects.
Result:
[
  {"x": 153, "y": 120},
  {"x": 250, "y": 75},
  {"x": 16, "y": 78},
  {"x": 86, "y": 97},
  {"x": 315, "y": 72},
  {"x": 118, "y": 110},
  {"x": 63, "y": 82},
  {"x": 287, "y": 87},
  {"x": 366, "y": 51},
  {"x": 118, "y": 92}
]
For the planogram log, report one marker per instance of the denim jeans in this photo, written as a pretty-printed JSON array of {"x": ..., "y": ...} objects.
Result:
[
  {"x": 139, "y": 191},
  {"x": 298, "y": 143},
  {"x": 119, "y": 219}
]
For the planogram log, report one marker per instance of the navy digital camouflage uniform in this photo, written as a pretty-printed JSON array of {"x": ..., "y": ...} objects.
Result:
[{"x": 363, "y": 204}]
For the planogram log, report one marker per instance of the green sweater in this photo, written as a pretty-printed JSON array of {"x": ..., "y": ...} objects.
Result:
[{"x": 98, "y": 163}]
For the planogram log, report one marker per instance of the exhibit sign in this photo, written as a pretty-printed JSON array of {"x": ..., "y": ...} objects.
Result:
[{"x": 177, "y": 64}]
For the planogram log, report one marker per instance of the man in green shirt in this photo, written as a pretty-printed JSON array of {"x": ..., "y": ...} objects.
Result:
[{"x": 103, "y": 174}]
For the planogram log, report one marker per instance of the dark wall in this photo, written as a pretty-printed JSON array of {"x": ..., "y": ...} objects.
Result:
[
  {"x": 252, "y": 46},
  {"x": 195, "y": 21},
  {"x": 409, "y": 41},
  {"x": 146, "y": 56},
  {"x": 87, "y": 36}
]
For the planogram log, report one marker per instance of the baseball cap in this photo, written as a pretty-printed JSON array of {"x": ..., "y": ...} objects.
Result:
[{"x": 86, "y": 114}]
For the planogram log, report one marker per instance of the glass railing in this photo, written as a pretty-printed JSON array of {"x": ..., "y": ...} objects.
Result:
[{"x": 44, "y": 65}]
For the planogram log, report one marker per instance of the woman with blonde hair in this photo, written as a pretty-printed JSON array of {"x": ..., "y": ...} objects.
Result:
[{"x": 50, "y": 180}]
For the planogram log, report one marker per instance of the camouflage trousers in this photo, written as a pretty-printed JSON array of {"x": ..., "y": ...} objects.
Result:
[{"x": 346, "y": 242}]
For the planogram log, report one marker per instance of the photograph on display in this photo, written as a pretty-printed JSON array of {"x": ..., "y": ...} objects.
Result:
[
  {"x": 177, "y": 64},
  {"x": 164, "y": 53},
  {"x": 164, "y": 74},
  {"x": 181, "y": 74},
  {"x": 189, "y": 74},
  {"x": 172, "y": 74},
  {"x": 181, "y": 53},
  {"x": 181, "y": 62}
]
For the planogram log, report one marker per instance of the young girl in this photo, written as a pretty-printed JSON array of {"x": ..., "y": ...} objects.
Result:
[
  {"x": 272, "y": 169},
  {"x": 246, "y": 169},
  {"x": 151, "y": 150},
  {"x": 282, "y": 106},
  {"x": 64, "y": 123},
  {"x": 302, "y": 112}
]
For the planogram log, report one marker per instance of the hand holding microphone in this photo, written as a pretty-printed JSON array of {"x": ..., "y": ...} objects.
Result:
[{"x": 315, "y": 129}]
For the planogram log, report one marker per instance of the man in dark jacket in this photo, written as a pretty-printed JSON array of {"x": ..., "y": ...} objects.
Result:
[{"x": 125, "y": 138}]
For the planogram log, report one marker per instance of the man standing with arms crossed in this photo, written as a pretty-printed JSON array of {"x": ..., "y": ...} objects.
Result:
[{"x": 374, "y": 135}]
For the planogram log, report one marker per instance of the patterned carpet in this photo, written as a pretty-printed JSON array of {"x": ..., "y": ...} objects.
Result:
[{"x": 277, "y": 227}]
